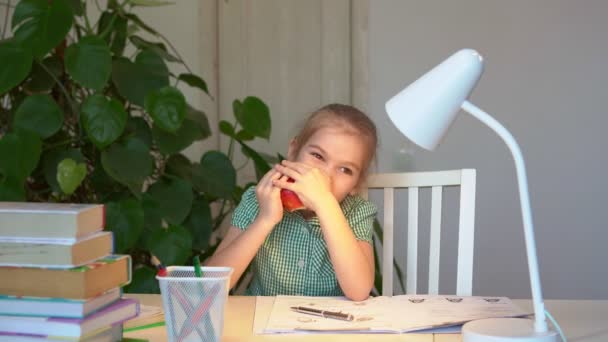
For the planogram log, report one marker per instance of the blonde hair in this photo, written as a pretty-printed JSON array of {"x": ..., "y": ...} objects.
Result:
[{"x": 347, "y": 117}]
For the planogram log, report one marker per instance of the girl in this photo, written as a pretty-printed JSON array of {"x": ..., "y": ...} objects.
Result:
[{"x": 326, "y": 249}]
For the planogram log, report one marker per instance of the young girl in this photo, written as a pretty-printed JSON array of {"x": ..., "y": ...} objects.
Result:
[{"x": 326, "y": 249}]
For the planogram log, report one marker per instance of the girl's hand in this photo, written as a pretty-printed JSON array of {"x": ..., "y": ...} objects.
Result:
[
  {"x": 269, "y": 198},
  {"x": 312, "y": 185}
]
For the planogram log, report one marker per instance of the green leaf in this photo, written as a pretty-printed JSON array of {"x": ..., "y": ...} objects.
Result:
[
  {"x": 19, "y": 155},
  {"x": 194, "y": 81},
  {"x": 199, "y": 224},
  {"x": 128, "y": 162},
  {"x": 158, "y": 48},
  {"x": 89, "y": 62},
  {"x": 40, "y": 80},
  {"x": 137, "y": 21},
  {"x": 167, "y": 106},
  {"x": 244, "y": 135},
  {"x": 271, "y": 159},
  {"x": 104, "y": 119},
  {"x": 41, "y": 24},
  {"x": 261, "y": 165},
  {"x": 195, "y": 127},
  {"x": 135, "y": 80},
  {"x": 227, "y": 128},
  {"x": 119, "y": 36},
  {"x": 175, "y": 198},
  {"x": 77, "y": 7},
  {"x": 11, "y": 190},
  {"x": 125, "y": 219},
  {"x": 215, "y": 175},
  {"x": 180, "y": 166},
  {"x": 138, "y": 127},
  {"x": 20, "y": 61},
  {"x": 253, "y": 115},
  {"x": 172, "y": 246},
  {"x": 200, "y": 119},
  {"x": 51, "y": 160},
  {"x": 105, "y": 19},
  {"x": 39, "y": 114},
  {"x": 115, "y": 35},
  {"x": 144, "y": 281},
  {"x": 149, "y": 3},
  {"x": 70, "y": 175},
  {"x": 103, "y": 184},
  {"x": 169, "y": 143},
  {"x": 153, "y": 218}
]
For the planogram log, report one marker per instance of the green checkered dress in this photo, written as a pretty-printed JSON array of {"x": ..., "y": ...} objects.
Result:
[{"x": 294, "y": 259}]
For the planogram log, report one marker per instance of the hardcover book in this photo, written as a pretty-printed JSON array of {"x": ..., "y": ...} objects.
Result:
[
  {"x": 40, "y": 252},
  {"x": 112, "y": 315},
  {"x": 106, "y": 334},
  {"x": 50, "y": 220},
  {"x": 74, "y": 283},
  {"x": 56, "y": 307}
]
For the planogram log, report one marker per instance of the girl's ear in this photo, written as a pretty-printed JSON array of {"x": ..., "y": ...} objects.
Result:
[{"x": 291, "y": 150}]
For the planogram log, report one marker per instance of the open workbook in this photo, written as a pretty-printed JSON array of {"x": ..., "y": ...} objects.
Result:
[{"x": 397, "y": 314}]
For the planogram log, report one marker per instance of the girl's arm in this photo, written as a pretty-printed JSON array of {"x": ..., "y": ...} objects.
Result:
[
  {"x": 353, "y": 260},
  {"x": 238, "y": 247}
]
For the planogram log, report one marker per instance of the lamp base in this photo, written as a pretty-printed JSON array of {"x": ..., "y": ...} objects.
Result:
[{"x": 504, "y": 330}]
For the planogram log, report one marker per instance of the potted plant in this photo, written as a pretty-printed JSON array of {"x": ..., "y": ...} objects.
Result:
[{"x": 83, "y": 121}]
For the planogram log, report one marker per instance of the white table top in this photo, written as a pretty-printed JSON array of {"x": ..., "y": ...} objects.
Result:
[{"x": 581, "y": 320}]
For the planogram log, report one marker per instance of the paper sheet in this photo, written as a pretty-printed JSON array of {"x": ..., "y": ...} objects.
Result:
[{"x": 385, "y": 314}]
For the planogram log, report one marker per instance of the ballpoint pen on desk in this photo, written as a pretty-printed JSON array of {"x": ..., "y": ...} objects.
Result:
[{"x": 323, "y": 313}]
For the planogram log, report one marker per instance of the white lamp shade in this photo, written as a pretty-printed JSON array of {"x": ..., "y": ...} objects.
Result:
[{"x": 424, "y": 110}]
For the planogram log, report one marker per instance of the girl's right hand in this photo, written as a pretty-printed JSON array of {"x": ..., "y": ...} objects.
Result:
[{"x": 269, "y": 198}]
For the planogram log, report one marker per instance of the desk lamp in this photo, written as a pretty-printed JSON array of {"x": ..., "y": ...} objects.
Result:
[{"x": 423, "y": 112}]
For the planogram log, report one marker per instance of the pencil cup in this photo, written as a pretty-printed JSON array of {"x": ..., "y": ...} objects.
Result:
[{"x": 194, "y": 306}]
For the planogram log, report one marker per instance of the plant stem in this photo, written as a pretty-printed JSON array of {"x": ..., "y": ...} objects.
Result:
[
  {"x": 220, "y": 217},
  {"x": 98, "y": 6},
  {"x": 243, "y": 166},
  {"x": 63, "y": 90},
  {"x": 107, "y": 30},
  {"x": 181, "y": 59},
  {"x": 59, "y": 143},
  {"x": 231, "y": 144},
  {"x": 86, "y": 19}
]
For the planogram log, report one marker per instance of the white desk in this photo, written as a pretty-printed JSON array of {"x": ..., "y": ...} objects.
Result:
[{"x": 581, "y": 320}]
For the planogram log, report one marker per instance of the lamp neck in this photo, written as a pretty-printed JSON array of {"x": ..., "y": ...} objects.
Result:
[{"x": 540, "y": 324}]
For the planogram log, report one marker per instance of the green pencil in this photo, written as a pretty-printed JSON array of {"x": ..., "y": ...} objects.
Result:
[{"x": 197, "y": 267}]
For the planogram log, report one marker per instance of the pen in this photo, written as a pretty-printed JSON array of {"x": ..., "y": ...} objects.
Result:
[
  {"x": 161, "y": 269},
  {"x": 324, "y": 313}
]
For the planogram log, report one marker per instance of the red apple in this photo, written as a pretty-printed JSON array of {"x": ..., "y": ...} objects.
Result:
[{"x": 291, "y": 201}]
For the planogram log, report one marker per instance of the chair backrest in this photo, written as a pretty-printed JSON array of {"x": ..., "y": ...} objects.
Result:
[{"x": 436, "y": 180}]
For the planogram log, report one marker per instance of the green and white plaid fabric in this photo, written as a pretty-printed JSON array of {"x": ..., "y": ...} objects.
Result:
[{"x": 294, "y": 259}]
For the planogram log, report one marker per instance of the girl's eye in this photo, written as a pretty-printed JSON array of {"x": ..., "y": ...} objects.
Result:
[
  {"x": 346, "y": 170},
  {"x": 316, "y": 155}
]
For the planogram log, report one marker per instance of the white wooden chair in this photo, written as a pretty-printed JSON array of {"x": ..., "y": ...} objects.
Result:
[{"x": 436, "y": 180}]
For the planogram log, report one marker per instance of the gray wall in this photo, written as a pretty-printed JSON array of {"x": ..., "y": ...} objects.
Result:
[{"x": 545, "y": 81}]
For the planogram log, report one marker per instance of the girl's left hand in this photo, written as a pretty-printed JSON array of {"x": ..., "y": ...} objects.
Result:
[{"x": 312, "y": 185}]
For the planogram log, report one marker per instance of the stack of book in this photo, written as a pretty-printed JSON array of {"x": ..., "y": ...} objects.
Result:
[{"x": 58, "y": 277}]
